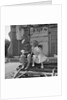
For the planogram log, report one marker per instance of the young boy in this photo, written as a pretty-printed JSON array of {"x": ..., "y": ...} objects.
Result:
[{"x": 22, "y": 60}]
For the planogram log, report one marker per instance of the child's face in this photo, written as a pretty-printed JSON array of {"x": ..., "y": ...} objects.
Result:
[{"x": 41, "y": 50}]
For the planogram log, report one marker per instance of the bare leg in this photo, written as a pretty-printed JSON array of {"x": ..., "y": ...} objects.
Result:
[{"x": 42, "y": 65}]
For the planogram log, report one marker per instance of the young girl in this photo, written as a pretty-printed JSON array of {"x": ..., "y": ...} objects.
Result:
[{"x": 39, "y": 57}]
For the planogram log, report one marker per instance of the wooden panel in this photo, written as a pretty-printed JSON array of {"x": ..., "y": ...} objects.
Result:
[
  {"x": 52, "y": 41},
  {"x": 41, "y": 35},
  {"x": 45, "y": 47},
  {"x": 40, "y": 39},
  {"x": 38, "y": 30}
]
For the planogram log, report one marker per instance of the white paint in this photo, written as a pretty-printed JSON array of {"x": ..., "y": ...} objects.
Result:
[{"x": 7, "y": 30}]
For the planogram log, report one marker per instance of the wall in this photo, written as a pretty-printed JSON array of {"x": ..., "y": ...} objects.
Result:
[
  {"x": 41, "y": 35},
  {"x": 45, "y": 35},
  {"x": 52, "y": 31}
]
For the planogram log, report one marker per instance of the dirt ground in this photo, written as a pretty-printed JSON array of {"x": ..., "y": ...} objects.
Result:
[{"x": 10, "y": 69}]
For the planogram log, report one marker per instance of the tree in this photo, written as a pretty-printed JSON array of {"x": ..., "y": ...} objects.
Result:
[{"x": 7, "y": 43}]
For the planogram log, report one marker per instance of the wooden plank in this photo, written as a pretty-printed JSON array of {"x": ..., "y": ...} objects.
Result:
[{"x": 40, "y": 39}]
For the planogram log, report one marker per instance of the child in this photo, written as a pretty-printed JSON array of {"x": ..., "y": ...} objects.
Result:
[
  {"x": 33, "y": 51},
  {"x": 39, "y": 57},
  {"x": 23, "y": 62},
  {"x": 23, "y": 59}
]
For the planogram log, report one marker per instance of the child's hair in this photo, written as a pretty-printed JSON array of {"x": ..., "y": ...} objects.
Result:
[{"x": 40, "y": 46}]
